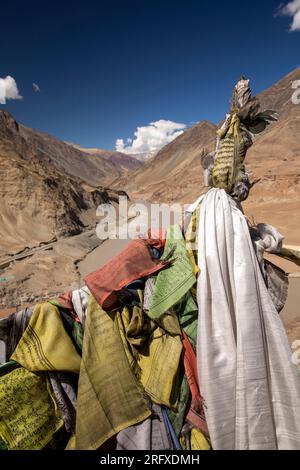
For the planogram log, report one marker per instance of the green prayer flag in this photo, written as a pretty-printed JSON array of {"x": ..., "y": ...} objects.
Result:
[{"x": 174, "y": 282}]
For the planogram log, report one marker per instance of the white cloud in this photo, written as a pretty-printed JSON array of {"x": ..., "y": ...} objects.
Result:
[
  {"x": 292, "y": 9},
  {"x": 36, "y": 87},
  {"x": 151, "y": 138},
  {"x": 8, "y": 89}
]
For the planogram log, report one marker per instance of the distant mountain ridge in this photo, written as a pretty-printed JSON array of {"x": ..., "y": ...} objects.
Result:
[{"x": 121, "y": 160}]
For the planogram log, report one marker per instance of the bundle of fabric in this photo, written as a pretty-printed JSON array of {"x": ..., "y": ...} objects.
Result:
[
  {"x": 250, "y": 386},
  {"x": 137, "y": 350},
  {"x": 112, "y": 363},
  {"x": 127, "y": 377}
]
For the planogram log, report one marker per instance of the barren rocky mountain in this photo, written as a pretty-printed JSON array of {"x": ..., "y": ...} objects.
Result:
[
  {"x": 275, "y": 158},
  {"x": 92, "y": 168},
  {"x": 121, "y": 161},
  {"x": 175, "y": 174},
  {"x": 47, "y": 213},
  {"x": 39, "y": 202}
]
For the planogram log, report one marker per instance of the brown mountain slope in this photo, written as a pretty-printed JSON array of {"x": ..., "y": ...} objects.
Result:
[
  {"x": 66, "y": 158},
  {"x": 175, "y": 174},
  {"x": 279, "y": 96},
  {"x": 275, "y": 158},
  {"x": 47, "y": 217},
  {"x": 170, "y": 175},
  {"x": 120, "y": 160},
  {"x": 38, "y": 202}
]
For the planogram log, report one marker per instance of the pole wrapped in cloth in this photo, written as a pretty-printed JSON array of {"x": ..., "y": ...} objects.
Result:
[{"x": 250, "y": 386}]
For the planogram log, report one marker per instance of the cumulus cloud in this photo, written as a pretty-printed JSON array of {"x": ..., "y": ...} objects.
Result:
[
  {"x": 151, "y": 138},
  {"x": 8, "y": 89},
  {"x": 291, "y": 9},
  {"x": 36, "y": 87}
]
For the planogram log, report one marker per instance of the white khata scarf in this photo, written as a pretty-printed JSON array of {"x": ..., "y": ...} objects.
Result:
[{"x": 250, "y": 386}]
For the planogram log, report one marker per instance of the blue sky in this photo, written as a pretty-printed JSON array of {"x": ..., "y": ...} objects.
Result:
[{"x": 106, "y": 67}]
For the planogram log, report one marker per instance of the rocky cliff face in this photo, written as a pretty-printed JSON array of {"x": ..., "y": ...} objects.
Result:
[
  {"x": 47, "y": 212},
  {"x": 39, "y": 199}
]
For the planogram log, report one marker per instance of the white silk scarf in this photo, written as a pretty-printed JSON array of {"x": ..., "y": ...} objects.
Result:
[{"x": 250, "y": 386}]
